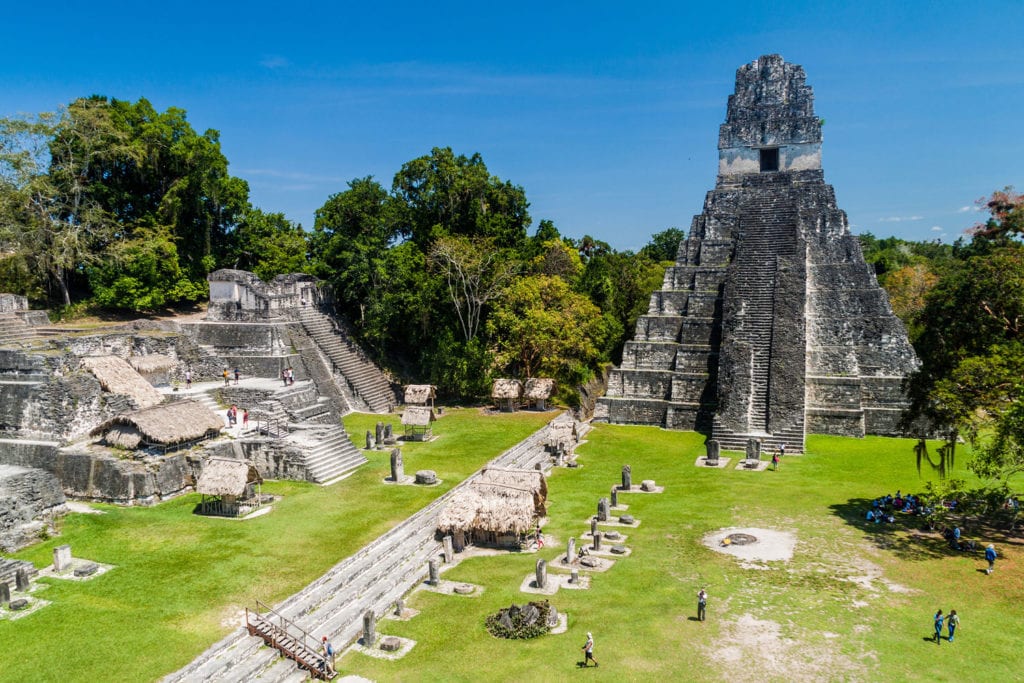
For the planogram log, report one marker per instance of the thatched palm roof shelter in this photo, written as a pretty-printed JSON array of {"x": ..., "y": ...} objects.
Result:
[
  {"x": 420, "y": 394},
  {"x": 154, "y": 367},
  {"x": 498, "y": 507},
  {"x": 118, "y": 377},
  {"x": 170, "y": 424},
  {"x": 229, "y": 483},
  {"x": 506, "y": 393},
  {"x": 227, "y": 477},
  {"x": 538, "y": 390},
  {"x": 417, "y": 421}
]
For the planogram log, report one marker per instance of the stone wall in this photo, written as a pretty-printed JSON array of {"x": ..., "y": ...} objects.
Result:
[
  {"x": 101, "y": 476},
  {"x": 27, "y": 496}
]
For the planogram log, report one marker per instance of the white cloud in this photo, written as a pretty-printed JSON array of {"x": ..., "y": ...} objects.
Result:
[
  {"x": 274, "y": 62},
  {"x": 936, "y": 228},
  {"x": 900, "y": 219}
]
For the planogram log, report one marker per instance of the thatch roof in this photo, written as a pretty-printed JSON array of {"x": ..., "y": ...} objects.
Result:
[
  {"x": 419, "y": 394},
  {"x": 507, "y": 388},
  {"x": 498, "y": 500},
  {"x": 165, "y": 424},
  {"x": 538, "y": 388},
  {"x": 117, "y": 377},
  {"x": 153, "y": 362},
  {"x": 226, "y": 477},
  {"x": 418, "y": 416}
]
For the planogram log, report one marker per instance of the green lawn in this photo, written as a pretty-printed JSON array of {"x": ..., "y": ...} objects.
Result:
[
  {"x": 181, "y": 580},
  {"x": 854, "y": 603}
]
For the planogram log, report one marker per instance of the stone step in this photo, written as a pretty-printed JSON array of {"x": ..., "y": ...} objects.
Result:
[{"x": 281, "y": 670}]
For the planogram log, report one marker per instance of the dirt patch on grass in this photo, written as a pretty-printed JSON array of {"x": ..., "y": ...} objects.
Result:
[
  {"x": 752, "y": 649},
  {"x": 769, "y": 545}
]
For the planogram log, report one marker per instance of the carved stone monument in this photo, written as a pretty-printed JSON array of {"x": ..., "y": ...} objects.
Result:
[
  {"x": 21, "y": 582},
  {"x": 399, "y": 607},
  {"x": 62, "y": 558},
  {"x": 369, "y": 628},
  {"x": 426, "y": 477},
  {"x": 627, "y": 477},
  {"x": 369, "y": 440},
  {"x": 770, "y": 324},
  {"x": 593, "y": 525},
  {"x": 397, "y": 467},
  {"x": 433, "y": 573},
  {"x": 753, "y": 449},
  {"x": 574, "y": 576},
  {"x": 713, "y": 450},
  {"x": 602, "y": 510},
  {"x": 542, "y": 573},
  {"x": 570, "y": 550},
  {"x": 378, "y": 435},
  {"x": 597, "y": 541},
  {"x": 614, "y": 496},
  {"x": 5, "y": 593}
]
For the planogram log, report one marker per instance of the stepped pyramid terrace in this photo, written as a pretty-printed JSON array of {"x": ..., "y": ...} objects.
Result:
[{"x": 770, "y": 325}]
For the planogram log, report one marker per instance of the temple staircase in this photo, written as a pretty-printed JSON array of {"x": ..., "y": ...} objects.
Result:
[
  {"x": 769, "y": 236},
  {"x": 366, "y": 380}
]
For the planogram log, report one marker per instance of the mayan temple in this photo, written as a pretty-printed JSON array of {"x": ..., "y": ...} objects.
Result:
[{"x": 770, "y": 325}]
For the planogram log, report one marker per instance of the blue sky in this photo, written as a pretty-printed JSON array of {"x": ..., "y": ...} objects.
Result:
[{"x": 606, "y": 113}]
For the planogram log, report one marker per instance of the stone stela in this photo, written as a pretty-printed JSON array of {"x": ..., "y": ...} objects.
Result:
[{"x": 770, "y": 325}]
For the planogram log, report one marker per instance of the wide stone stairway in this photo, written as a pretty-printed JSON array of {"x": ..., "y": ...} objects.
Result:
[
  {"x": 366, "y": 380},
  {"x": 15, "y": 332},
  {"x": 768, "y": 243},
  {"x": 333, "y": 605}
]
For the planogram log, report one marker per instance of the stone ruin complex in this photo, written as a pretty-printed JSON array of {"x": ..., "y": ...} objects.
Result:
[
  {"x": 60, "y": 387},
  {"x": 770, "y": 324}
]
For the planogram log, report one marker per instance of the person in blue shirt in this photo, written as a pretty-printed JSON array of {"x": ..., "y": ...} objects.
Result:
[
  {"x": 952, "y": 623},
  {"x": 990, "y": 555},
  {"x": 939, "y": 619}
]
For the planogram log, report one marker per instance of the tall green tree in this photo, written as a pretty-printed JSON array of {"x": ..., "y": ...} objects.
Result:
[
  {"x": 268, "y": 244},
  {"x": 444, "y": 194}
]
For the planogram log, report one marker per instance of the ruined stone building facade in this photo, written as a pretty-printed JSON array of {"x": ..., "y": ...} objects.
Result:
[{"x": 770, "y": 324}]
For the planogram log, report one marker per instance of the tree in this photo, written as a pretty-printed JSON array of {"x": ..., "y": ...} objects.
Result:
[
  {"x": 48, "y": 216},
  {"x": 268, "y": 244},
  {"x": 352, "y": 234},
  {"x": 444, "y": 194},
  {"x": 907, "y": 288},
  {"x": 143, "y": 274},
  {"x": 664, "y": 245},
  {"x": 475, "y": 272},
  {"x": 1006, "y": 215},
  {"x": 540, "y": 327}
]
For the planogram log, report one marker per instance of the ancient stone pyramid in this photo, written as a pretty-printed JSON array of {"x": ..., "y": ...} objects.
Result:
[{"x": 770, "y": 324}]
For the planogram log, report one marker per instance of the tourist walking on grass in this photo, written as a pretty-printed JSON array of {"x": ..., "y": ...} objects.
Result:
[
  {"x": 952, "y": 623},
  {"x": 990, "y": 555},
  {"x": 702, "y": 604},
  {"x": 775, "y": 462},
  {"x": 939, "y": 618},
  {"x": 588, "y": 650}
]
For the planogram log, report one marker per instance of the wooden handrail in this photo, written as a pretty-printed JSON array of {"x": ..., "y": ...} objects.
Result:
[{"x": 319, "y": 667}]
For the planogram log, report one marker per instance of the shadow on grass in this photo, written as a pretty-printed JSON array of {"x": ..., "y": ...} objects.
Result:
[{"x": 905, "y": 537}]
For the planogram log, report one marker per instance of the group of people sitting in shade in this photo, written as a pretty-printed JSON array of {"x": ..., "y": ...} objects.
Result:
[{"x": 883, "y": 509}]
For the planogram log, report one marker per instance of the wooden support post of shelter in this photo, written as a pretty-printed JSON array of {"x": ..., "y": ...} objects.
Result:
[
  {"x": 229, "y": 487},
  {"x": 417, "y": 421},
  {"x": 506, "y": 394}
]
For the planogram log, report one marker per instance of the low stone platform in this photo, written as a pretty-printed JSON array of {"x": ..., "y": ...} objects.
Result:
[
  {"x": 722, "y": 463},
  {"x": 404, "y": 481},
  {"x": 761, "y": 465},
  {"x": 616, "y": 523},
  {"x": 405, "y": 646},
  {"x": 34, "y": 605},
  {"x": 637, "y": 489},
  {"x": 451, "y": 588},
  {"x": 77, "y": 563}
]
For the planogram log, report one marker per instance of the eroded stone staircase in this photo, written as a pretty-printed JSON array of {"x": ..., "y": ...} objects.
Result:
[{"x": 365, "y": 379}]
